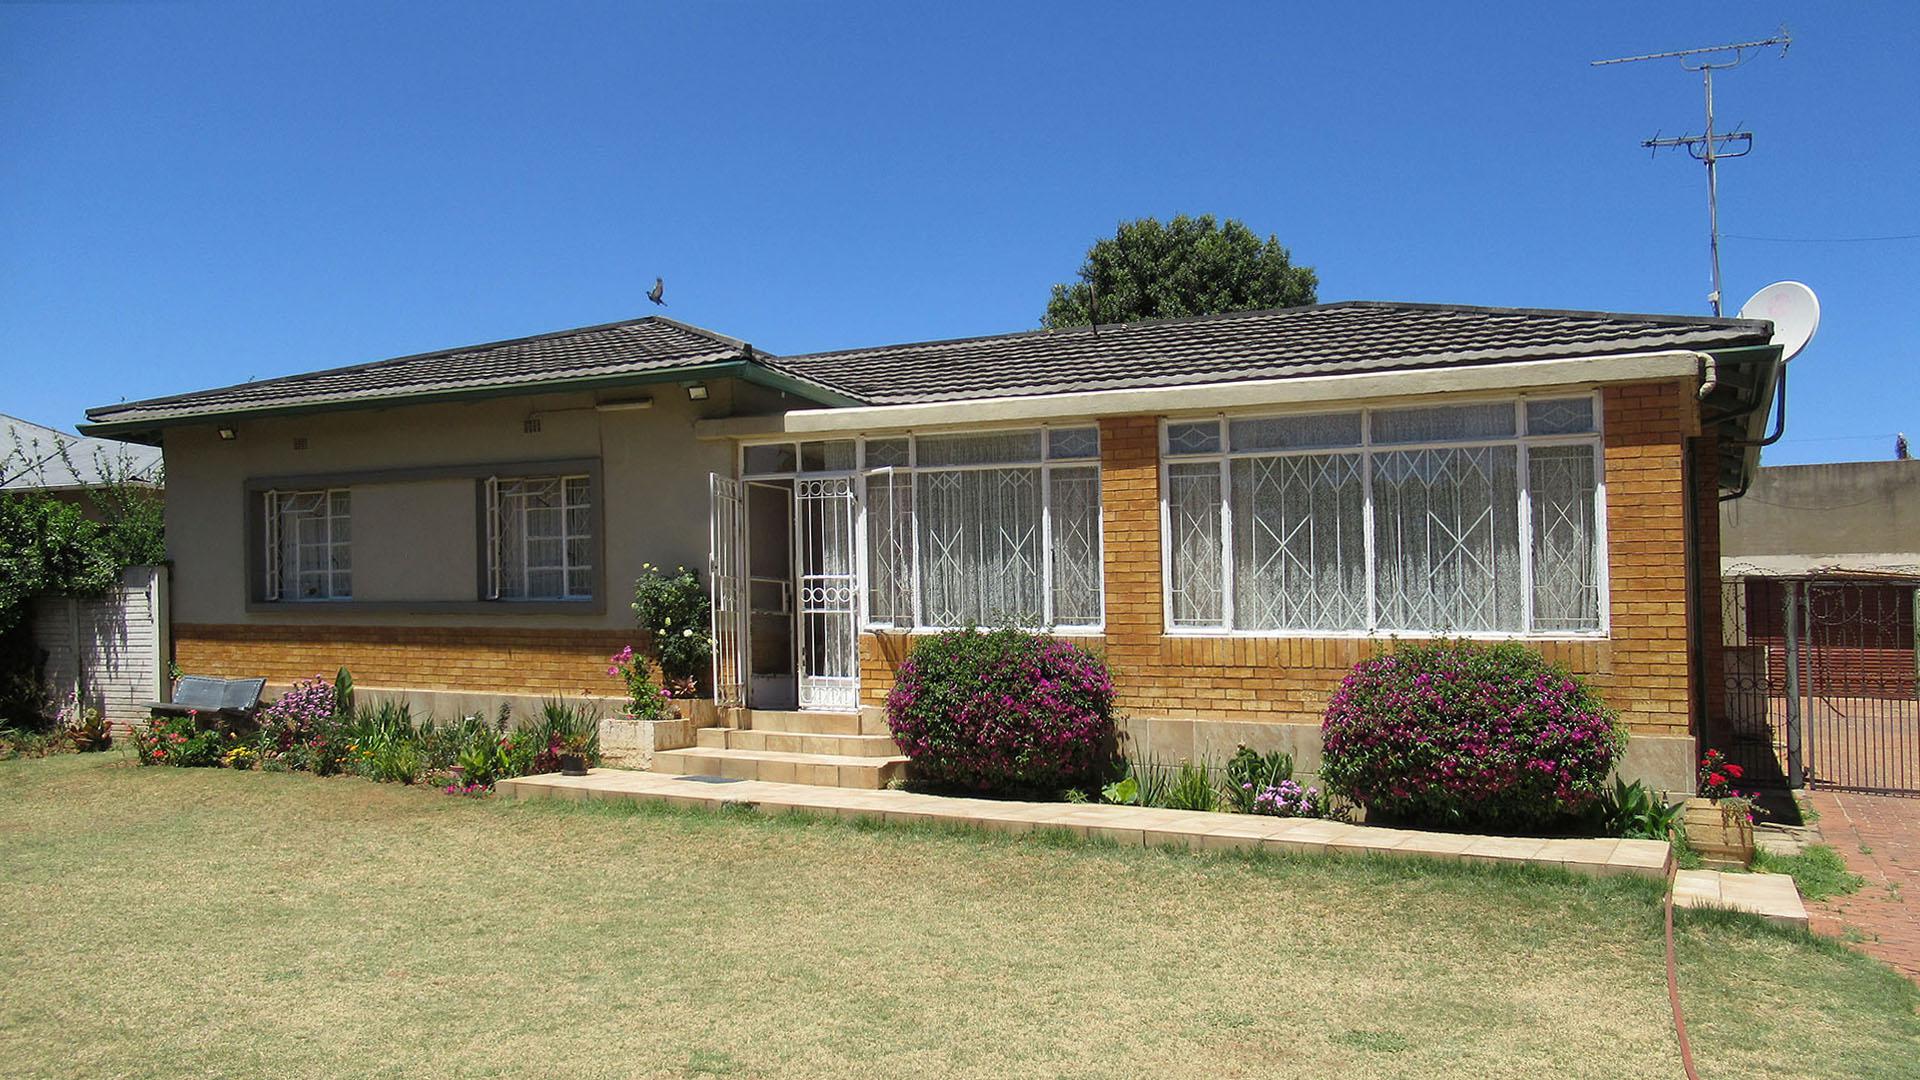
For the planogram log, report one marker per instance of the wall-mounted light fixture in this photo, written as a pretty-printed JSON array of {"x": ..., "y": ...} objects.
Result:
[
  {"x": 227, "y": 434},
  {"x": 697, "y": 391}
]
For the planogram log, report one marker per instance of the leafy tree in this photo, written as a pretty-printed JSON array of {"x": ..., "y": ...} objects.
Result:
[
  {"x": 1188, "y": 266},
  {"x": 47, "y": 546}
]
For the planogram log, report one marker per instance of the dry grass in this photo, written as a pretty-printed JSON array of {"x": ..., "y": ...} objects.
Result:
[{"x": 169, "y": 923}]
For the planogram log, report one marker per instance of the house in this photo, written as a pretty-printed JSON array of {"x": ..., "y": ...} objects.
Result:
[
  {"x": 68, "y": 467},
  {"x": 1234, "y": 507}
]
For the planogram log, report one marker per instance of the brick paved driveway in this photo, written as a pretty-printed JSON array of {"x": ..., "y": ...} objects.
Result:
[{"x": 1879, "y": 836}]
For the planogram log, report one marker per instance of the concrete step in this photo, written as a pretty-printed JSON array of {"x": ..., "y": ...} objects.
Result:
[
  {"x": 804, "y": 722},
  {"x": 870, "y": 720},
  {"x": 820, "y": 770},
  {"x": 790, "y": 742}
]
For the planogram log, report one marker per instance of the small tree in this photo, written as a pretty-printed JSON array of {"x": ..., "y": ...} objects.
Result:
[{"x": 1188, "y": 266}]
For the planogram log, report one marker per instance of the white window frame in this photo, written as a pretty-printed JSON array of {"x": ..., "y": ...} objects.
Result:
[
  {"x": 1225, "y": 456},
  {"x": 496, "y": 574},
  {"x": 271, "y": 512},
  {"x": 1045, "y": 464}
]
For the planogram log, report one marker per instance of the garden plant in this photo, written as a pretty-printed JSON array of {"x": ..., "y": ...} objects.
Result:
[
  {"x": 1003, "y": 711},
  {"x": 1457, "y": 734}
]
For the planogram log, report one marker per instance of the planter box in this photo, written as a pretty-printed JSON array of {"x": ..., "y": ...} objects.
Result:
[
  {"x": 629, "y": 743},
  {"x": 1722, "y": 835}
]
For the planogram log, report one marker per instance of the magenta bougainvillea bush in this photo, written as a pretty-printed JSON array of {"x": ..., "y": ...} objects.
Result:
[
  {"x": 1459, "y": 734},
  {"x": 1003, "y": 711}
]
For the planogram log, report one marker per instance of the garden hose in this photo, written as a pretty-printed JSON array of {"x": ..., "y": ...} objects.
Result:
[{"x": 1673, "y": 995}]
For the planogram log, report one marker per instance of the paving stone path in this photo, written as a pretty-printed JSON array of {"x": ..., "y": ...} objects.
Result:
[{"x": 1879, "y": 837}]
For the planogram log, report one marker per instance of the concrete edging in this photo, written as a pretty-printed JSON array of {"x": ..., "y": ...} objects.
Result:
[{"x": 1192, "y": 829}]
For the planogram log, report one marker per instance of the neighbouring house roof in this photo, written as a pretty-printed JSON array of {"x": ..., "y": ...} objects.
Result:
[
  {"x": 634, "y": 351},
  {"x": 1350, "y": 337},
  {"x": 34, "y": 457}
]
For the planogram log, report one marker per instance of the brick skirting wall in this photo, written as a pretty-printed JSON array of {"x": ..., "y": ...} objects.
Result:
[
  {"x": 1642, "y": 667},
  {"x": 472, "y": 658}
]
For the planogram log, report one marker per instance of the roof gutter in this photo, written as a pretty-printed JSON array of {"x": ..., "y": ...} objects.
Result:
[
  {"x": 147, "y": 430},
  {"x": 1515, "y": 375}
]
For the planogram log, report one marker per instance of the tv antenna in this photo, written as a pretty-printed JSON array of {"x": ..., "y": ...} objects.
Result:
[{"x": 1714, "y": 146}]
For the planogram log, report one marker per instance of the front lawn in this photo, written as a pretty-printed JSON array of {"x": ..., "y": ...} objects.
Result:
[{"x": 190, "y": 922}]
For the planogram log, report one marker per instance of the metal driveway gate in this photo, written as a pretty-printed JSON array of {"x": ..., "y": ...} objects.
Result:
[{"x": 1821, "y": 684}]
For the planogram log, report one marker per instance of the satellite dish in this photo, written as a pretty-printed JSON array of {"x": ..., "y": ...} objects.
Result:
[{"x": 1793, "y": 310}]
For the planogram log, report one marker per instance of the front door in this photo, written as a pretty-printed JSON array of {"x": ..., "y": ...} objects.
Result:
[{"x": 824, "y": 550}]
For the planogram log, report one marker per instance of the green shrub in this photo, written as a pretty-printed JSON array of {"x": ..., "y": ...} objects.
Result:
[
  {"x": 1636, "y": 812},
  {"x": 183, "y": 741},
  {"x": 677, "y": 615},
  {"x": 1459, "y": 734},
  {"x": 1003, "y": 711},
  {"x": 1250, "y": 772}
]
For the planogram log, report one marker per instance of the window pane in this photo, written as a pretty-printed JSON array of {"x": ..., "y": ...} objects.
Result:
[
  {"x": 1299, "y": 543},
  {"x": 1447, "y": 537},
  {"x": 1193, "y": 437},
  {"x": 1193, "y": 509},
  {"x": 315, "y": 544},
  {"x": 579, "y": 582},
  {"x": 776, "y": 458},
  {"x": 980, "y": 547},
  {"x": 1074, "y": 499},
  {"x": 1443, "y": 423},
  {"x": 577, "y": 491},
  {"x": 1000, "y": 447},
  {"x": 1295, "y": 432},
  {"x": 1568, "y": 416},
  {"x": 826, "y": 456},
  {"x": 890, "y": 548},
  {"x": 1566, "y": 581},
  {"x": 884, "y": 452},
  {"x": 1073, "y": 443}
]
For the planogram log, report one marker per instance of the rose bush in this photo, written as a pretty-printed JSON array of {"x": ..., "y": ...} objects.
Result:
[
  {"x": 1003, "y": 711},
  {"x": 1459, "y": 734}
]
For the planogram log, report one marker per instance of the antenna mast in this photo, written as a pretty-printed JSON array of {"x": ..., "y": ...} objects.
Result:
[{"x": 1712, "y": 147}]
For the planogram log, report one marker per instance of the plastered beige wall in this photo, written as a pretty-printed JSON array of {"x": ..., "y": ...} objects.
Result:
[{"x": 416, "y": 542}]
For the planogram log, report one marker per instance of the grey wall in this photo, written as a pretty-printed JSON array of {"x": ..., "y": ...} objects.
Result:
[
  {"x": 415, "y": 542},
  {"x": 1870, "y": 507}
]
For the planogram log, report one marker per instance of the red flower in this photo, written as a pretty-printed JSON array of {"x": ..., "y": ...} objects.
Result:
[
  {"x": 1716, "y": 779},
  {"x": 1734, "y": 771}
]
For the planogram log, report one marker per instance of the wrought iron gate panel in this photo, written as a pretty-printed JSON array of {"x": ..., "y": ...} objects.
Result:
[
  {"x": 726, "y": 581},
  {"x": 1862, "y": 728},
  {"x": 1821, "y": 683},
  {"x": 829, "y": 593}
]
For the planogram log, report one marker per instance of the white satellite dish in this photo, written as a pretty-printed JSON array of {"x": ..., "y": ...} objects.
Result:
[{"x": 1793, "y": 310}]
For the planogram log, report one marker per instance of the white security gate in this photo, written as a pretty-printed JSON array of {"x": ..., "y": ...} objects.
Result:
[
  {"x": 726, "y": 559},
  {"x": 824, "y": 540}
]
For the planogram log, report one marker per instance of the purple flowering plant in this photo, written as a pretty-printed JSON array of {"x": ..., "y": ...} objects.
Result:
[
  {"x": 1003, "y": 711},
  {"x": 1289, "y": 798},
  {"x": 1465, "y": 734}
]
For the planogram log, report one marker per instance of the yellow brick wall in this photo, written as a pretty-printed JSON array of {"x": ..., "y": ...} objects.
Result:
[
  {"x": 1642, "y": 666},
  {"x": 475, "y": 658}
]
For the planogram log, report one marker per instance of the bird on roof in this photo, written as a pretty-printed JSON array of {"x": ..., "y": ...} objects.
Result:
[{"x": 659, "y": 290}]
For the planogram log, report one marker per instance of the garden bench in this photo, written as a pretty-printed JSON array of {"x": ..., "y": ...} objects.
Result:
[{"x": 236, "y": 698}]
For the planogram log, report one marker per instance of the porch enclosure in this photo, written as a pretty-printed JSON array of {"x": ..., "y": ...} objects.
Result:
[{"x": 1821, "y": 685}]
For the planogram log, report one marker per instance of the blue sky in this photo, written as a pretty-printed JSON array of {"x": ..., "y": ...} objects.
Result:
[{"x": 200, "y": 193}]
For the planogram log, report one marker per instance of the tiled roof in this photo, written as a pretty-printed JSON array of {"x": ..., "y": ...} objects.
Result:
[
  {"x": 638, "y": 346},
  {"x": 1327, "y": 339},
  {"x": 1331, "y": 338}
]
